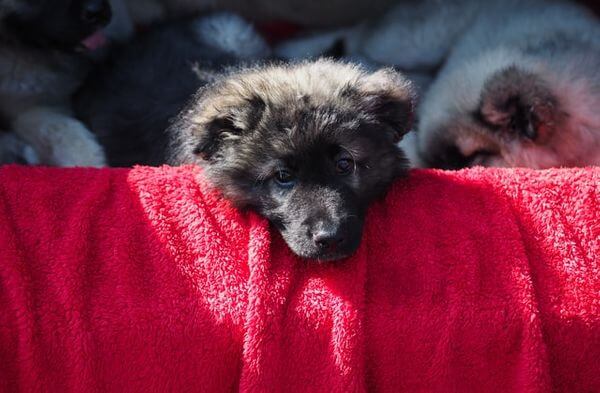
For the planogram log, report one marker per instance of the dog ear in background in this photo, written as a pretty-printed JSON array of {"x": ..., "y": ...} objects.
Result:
[
  {"x": 518, "y": 104},
  {"x": 390, "y": 98},
  {"x": 219, "y": 120}
]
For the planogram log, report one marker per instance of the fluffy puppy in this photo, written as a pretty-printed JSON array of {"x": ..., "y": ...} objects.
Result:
[
  {"x": 44, "y": 47},
  {"x": 520, "y": 88},
  {"x": 307, "y": 145}
]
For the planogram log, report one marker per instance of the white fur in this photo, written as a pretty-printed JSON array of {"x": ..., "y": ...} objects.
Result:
[
  {"x": 58, "y": 138},
  {"x": 411, "y": 35},
  {"x": 409, "y": 146},
  {"x": 232, "y": 34}
]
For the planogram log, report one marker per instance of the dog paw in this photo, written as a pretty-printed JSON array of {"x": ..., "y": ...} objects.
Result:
[
  {"x": 518, "y": 104},
  {"x": 59, "y": 139}
]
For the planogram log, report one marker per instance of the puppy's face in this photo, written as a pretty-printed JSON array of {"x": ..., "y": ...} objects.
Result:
[
  {"x": 510, "y": 120},
  {"x": 56, "y": 24},
  {"x": 309, "y": 147}
]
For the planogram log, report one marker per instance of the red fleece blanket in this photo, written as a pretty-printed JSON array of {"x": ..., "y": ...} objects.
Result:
[{"x": 145, "y": 280}]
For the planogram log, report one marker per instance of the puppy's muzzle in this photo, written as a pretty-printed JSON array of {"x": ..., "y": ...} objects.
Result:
[
  {"x": 328, "y": 240},
  {"x": 335, "y": 240}
]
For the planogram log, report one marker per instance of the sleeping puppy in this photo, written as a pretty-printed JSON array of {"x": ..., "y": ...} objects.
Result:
[
  {"x": 520, "y": 89},
  {"x": 45, "y": 49},
  {"x": 306, "y": 145}
]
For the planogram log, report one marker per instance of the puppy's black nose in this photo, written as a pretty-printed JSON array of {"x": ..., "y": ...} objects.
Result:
[
  {"x": 95, "y": 12},
  {"x": 328, "y": 240}
]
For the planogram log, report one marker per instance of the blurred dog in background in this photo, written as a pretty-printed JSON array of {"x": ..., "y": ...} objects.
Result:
[
  {"x": 46, "y": 48},
  {"x": 520, "y": 88}
]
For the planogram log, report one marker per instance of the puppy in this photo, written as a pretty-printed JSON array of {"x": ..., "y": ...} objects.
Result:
[
  {"x": 44, "y": 47},
  {"x": 520, "y": 88},
  {"x": 306, "y": 145},
  {"x": 309, "y": 146}
]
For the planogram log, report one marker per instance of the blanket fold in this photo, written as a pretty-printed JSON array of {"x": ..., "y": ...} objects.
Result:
[{"x": 147, "y": 280}]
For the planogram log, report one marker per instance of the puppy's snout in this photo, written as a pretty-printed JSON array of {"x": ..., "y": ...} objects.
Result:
[
  {"x": 328, "y": 240},
  {"x": 95, "y": 12}
]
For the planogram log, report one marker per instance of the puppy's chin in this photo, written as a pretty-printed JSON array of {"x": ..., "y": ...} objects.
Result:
[{"x": 312, "y": 253}]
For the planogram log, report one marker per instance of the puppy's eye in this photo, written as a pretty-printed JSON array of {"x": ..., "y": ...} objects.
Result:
[
  {"x": 344, "y": 166},
  {"x": 284, "y": 178}
]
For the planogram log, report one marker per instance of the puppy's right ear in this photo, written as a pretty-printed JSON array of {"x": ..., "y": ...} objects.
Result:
[
  {"x": 390, "y": 98},
  {"x": 212, "y": 123}
]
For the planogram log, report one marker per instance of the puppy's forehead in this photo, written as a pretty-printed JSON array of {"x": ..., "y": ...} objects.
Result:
[
  {"x": 296, "y": 124},
  {"x": 319, "y": 82}
]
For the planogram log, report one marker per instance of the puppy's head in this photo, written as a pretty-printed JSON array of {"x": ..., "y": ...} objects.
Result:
[
  {"x": 308, "y": 146},
  {"x": 505, "y": 116},
  {"x": 55, "y": 24}
]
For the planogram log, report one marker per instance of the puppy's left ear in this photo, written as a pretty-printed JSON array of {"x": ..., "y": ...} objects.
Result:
[
  {"x": 213, "y": 122},
  {"x": 390, "y": 98}
]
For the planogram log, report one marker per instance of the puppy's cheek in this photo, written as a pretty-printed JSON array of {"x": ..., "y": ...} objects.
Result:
[{"x": 298, "y": 242}]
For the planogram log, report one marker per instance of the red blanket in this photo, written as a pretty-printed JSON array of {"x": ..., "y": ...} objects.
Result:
[{"x": 145, "y": 280}]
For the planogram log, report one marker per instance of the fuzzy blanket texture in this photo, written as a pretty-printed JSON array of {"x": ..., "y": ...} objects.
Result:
[{"x": 145, "y": 280}]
